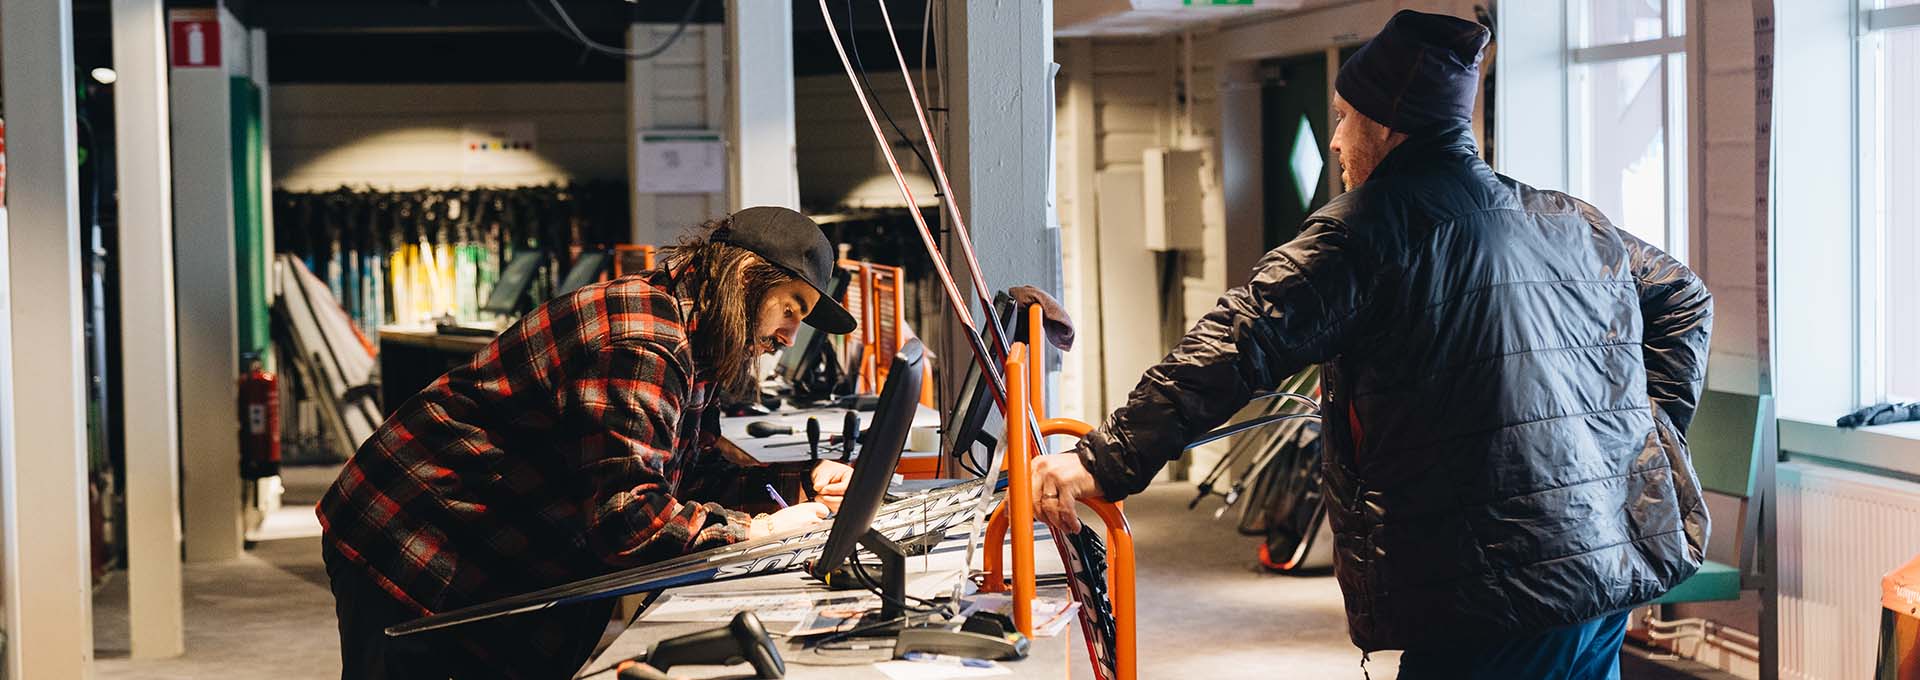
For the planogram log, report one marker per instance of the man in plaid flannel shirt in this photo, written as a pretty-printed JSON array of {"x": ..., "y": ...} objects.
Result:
[{"x": 569, "y": 447}]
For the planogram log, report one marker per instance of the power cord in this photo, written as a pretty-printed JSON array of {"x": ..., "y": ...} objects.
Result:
[
  {"x": 819, "y": 657},
  {"x": 860, "y": 68},
  {"x": 573, "y": 32},
  {"x": 905, "y": 601},
  {"x": 969, "y": 462}
]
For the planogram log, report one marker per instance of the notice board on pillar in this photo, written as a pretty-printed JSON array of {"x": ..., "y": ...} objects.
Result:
[{"x": 680, "y": 162}]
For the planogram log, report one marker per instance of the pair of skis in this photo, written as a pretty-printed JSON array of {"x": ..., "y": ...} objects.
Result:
[{"x": 938, "y": 511}]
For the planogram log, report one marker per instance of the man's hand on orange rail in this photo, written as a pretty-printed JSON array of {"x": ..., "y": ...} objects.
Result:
[{"x": 1058, "y": 481}]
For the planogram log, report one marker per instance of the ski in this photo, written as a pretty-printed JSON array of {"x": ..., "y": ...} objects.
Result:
[{"x": 916, "y": 516}]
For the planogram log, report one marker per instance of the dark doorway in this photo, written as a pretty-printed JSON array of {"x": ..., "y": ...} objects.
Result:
[{"x": 1295, "y": 131}]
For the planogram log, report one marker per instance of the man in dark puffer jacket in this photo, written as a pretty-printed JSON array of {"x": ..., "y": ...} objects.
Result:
[{"x": 1509, "y": 378}]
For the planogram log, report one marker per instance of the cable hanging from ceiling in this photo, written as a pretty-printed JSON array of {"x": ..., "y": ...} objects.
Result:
[{"x": 569, "y": 28}]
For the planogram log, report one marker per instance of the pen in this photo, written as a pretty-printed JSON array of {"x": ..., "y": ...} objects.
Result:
[{"x": 775, "y": 495}]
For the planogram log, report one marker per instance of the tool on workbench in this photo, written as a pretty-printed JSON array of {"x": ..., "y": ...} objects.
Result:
[
  {"x": 813, "y": 439},
  {"x": 852, "y": 432}
]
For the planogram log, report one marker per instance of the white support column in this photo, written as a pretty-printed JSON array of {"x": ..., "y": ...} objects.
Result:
[
  {"x": 150, "y": 370},
  {"x": 999, "y": 54},
  {"x": 998, "y": 61},
  {"x": 760, "y": 97},
  {"x": 206, "y": 267},
  {"x": 47, "y": 590}
]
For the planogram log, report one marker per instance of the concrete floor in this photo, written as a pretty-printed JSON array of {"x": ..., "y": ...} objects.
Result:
[
  {"x": 1208, "y": 610},
  {"x": 268, "y": 614}
]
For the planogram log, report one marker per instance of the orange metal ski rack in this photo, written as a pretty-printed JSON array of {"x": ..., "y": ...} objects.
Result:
[{"x": 1016, "y": 514}]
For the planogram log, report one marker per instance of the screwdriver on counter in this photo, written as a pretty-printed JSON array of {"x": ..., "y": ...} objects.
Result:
[
  {"x": 852, "y": 430},
  {"x": 813, "y": 440}
]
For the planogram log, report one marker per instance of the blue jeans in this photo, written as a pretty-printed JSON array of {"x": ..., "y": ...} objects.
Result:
[{"x": 1589, "y": 650}]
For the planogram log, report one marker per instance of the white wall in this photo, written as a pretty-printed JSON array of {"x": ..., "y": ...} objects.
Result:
[
  {"x": 1119, "y": 97},
  {"x": 1130, "y": 90},
  {"x": 839, "y": 164},
  {"x": 403, "y": 137},
  {"x": 1082, "y": 388}
]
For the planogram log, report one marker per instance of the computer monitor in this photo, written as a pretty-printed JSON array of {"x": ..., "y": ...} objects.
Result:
[
  {"x": 514, "y": 282},
  {"x": 586, "y": 270},
  {"x": 809, "y": 344},
  {"x": 872, "y": 474},
  {"x": 971, "y": 421},
  {"x": 806, "y": 348}
]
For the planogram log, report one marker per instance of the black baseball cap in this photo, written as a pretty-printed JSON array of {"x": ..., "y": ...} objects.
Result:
[{"x": 793, "y": 242}]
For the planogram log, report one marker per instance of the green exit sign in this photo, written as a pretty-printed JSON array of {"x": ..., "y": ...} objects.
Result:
[{"x": 1219, "y": 2}]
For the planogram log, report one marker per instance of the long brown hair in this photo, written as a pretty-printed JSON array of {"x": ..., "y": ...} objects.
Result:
[{"x": 726, "y": 284}]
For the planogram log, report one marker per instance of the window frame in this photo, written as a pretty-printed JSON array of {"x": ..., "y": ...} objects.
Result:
[
  {"x": 1870, "y": 223},
  {"x": 1672, "y": 48}
]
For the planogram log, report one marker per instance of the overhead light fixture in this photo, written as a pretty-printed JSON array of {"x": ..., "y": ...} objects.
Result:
[{"x": 105, "y": 75}]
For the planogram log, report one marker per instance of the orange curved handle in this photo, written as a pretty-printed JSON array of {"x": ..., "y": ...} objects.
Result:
[
  {"x": 995, "y": 579},
  {"x": 1120, "y": 549},
  {"x": 993, "y": 559}
]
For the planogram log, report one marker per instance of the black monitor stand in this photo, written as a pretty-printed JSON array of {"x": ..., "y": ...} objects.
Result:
[
  {"x": 893, "y": 578},
  {"x": 872, "y": 474}
]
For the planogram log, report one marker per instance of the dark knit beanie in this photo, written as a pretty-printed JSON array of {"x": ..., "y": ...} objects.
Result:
[{"x": 1421, "y": 70}]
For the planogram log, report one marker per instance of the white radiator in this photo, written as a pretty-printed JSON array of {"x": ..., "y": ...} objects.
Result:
[{"x": 1840, "y": 531}]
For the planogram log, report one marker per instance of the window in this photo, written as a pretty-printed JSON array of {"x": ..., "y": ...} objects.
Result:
[
  {"x": 1627, "y": 109},
  {"x": 1889, "y": 204}
]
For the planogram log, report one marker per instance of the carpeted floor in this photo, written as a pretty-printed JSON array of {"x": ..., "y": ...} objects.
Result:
[{"x": 1207, "y": 609}]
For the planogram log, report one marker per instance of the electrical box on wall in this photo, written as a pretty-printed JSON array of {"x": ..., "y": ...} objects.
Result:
[{"x": 1172, "y": 198}]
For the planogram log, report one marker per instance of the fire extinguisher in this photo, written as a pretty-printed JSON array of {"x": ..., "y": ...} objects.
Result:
[{"x": 259, "y": 421}]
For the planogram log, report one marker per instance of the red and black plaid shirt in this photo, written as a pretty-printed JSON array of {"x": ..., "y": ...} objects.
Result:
[{"x": 558, "y": 453}]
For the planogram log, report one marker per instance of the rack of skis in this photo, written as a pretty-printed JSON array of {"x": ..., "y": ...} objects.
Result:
[{"x": 410, "y": 257}]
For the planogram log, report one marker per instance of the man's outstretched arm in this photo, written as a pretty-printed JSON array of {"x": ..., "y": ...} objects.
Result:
[{"x": 1298, "y": 309}]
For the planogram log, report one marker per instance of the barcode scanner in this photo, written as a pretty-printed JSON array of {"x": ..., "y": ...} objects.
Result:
[{"x": 743, "y": 640}]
